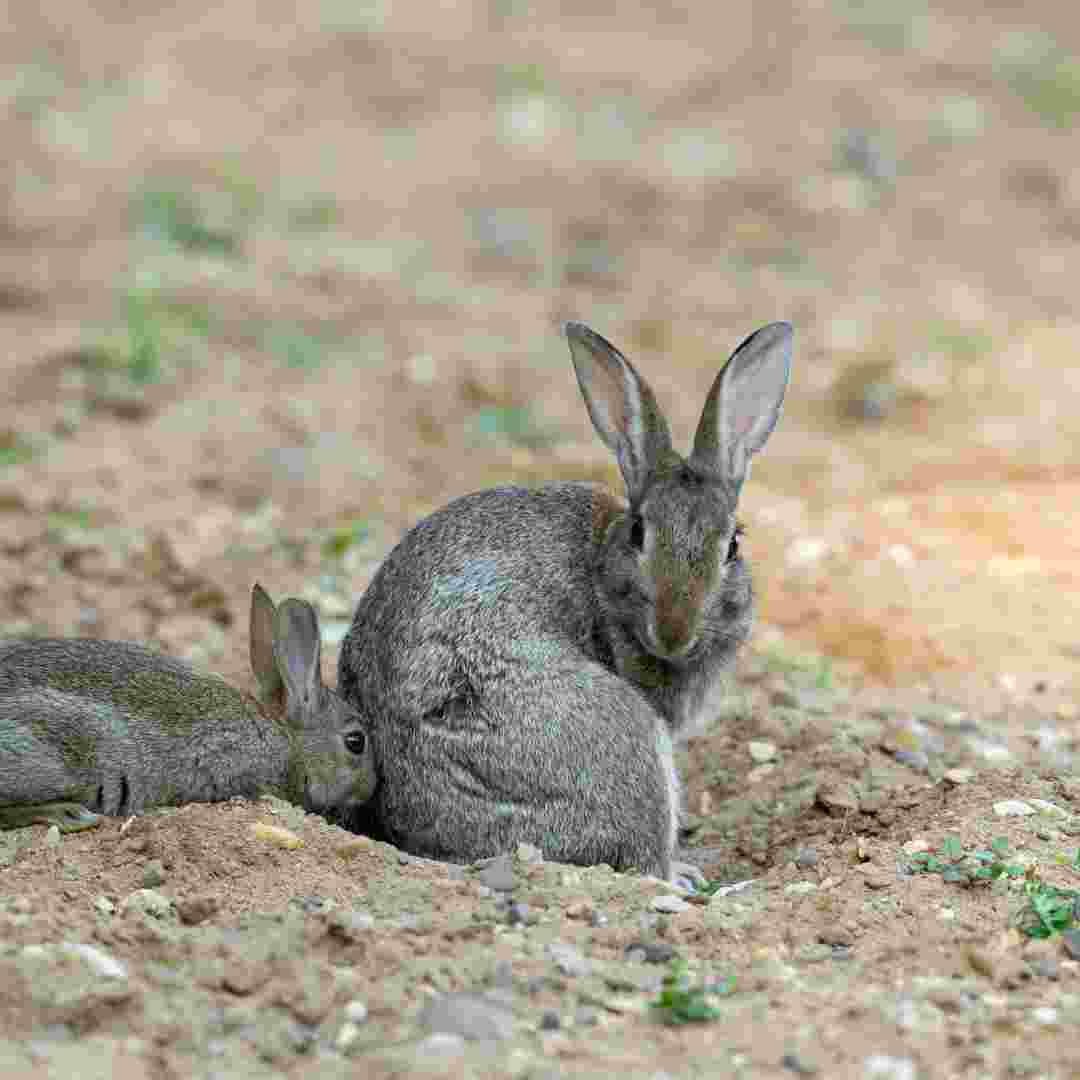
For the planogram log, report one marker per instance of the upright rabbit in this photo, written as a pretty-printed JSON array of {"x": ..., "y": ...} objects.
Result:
[
  {"x": 106, "y": 727},
  {"x": 525, "y": 656}
]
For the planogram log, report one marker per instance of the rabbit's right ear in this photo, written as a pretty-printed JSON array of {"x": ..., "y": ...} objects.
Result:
[
  {"x": 298, "y": 650},
  {"x": 261, "y": 646},
  {"x": 621, "y": 404}
]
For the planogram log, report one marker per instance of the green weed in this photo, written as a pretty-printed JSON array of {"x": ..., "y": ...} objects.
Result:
[
  {"x": 680, "y": 1002},
  {"x": 1048, "y": 909},
  {"x": 1045, "y": 76},
  {"x": 154, "y": 328},
  {"x": 14, "y": 448},
  {"x": 344, "y": 536},
  {"x": 516, "y": 424},
  {"x": 295, "y": 347}
]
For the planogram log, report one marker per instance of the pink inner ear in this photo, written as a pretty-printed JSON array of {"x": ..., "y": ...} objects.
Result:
[{"x": 607, "y": 388}]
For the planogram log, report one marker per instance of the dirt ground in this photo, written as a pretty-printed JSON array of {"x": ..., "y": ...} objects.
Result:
[{"x": 277, "y": 280}]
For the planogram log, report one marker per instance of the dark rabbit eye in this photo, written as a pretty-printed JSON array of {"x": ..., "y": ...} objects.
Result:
[
  {"x": 733, "y": 545},
  {"x": 637, "y": 532},
  {"x": 356, "y": 742}
]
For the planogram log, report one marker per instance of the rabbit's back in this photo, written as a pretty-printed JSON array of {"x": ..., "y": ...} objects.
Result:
[
  {"x": 107, "y": 723},
  {"x": 496, "y": 577}
]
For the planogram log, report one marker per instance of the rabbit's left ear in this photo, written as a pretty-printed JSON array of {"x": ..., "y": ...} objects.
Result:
[{"x": 744, "y": 405}]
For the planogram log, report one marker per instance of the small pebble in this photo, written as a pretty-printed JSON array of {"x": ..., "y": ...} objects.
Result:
[
  {"x": 669, "y": 904},
  {"x": 914, "y": 759},
  {"x": 806, "y": 857},
  {"x": 356, "y": 1012},
  {"x": 1048, "y": 967},
  {"x": 498, "y": 873},
  {"x": 1013, "y": 808},
  {"x": 98, "y": 961},
  {"x": 883, "y": 1067},
  {"x": 550, "y": 1021},
  {"x": 797, "y": 1065},
  {"x": 468, "y": 1016},
  {"x": 352, "y": 924},
  {"x": 1045, "y": 1015},
  {"x": 568, "y": 959},
  {"x": 52, "y": 837},
  {"x": 585, "y": 1017},
  {"x": 959, "y": 776},
  {"x": 1071, "y": 940},
  {"x": 650, "y": 952},
  {"x": 517, "y": 914},
  {"x": 597, "y": 918},
  {"x": 760, "y": 752}
]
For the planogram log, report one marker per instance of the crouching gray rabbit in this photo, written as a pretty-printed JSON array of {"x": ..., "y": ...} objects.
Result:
[
  {"x": 527, "y": 656},
  {"x": 106, "y": 727}
]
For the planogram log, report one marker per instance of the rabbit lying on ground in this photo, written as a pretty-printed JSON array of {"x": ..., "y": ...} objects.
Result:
[
  {"x": 526, "y": 656},
  {"x": 106, "y": 727}
]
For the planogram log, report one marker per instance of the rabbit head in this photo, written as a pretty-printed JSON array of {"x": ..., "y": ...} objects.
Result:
[
  {"x": 669, "y": 576},
  {"x": 332, "y": 765}
]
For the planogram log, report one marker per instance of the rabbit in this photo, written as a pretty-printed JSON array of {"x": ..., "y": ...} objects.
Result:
[
  {"x": 526, "y": 657},
  {"x": 91, "y": 728}
]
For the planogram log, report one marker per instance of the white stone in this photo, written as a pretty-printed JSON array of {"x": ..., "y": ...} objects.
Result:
[
  {"x": 669, "y": 904},
  {"x": 761, "y": 751},
  {"x": 1013, "y": 808}
]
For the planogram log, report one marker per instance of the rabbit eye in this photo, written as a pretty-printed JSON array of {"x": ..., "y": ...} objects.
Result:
[
  {"x": 733, "y": 544},
  {"x": 637, "y": 532},
  {"x": 356, "y": 742}
]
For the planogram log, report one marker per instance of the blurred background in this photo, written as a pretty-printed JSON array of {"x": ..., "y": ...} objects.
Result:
[{"x": 278, "y": 279}]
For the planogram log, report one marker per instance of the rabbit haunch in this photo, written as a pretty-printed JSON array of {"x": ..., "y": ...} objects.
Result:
[
  {"x": 525, "y": 655},
  {"x": 93, "y": 727}
]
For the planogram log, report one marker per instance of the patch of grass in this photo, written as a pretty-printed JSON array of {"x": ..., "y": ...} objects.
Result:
[
  {"x": 959, "y": 343},
  {"x": 154, "y": 328},
  {"x": 681, "y": 1002},
  {"x": 1044, "y": 75},
  {"x": 14, "y": 448},
  {"x": 516, "y": 424},
  {"x": 961, "y": 868},
  {"x": 889, "y": 25},
  {"x": 344, "y": 536},
  {"x": 802, "y": 669},
  {"x": 174, "y": 219},
  {"x": 295, "y": 347},
  {"x": 318, "y": 212},
  {"x": 1047, "y": 910}
]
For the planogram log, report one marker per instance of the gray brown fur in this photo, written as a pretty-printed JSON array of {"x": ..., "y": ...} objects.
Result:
[
  {"x": 105, "y": 727},
  {"x": 525, "y": 668}
]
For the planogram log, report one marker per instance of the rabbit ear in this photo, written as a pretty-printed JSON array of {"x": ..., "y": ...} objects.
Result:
[
  {"x": 298, "y": 649},
  {"x": 623, "y": 409},
  {"x": 743, "y": 405},
  {"x": 261, "y": 645}
]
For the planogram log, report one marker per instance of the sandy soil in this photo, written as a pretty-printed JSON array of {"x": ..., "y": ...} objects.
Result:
[{"x": 277, "y": 281}]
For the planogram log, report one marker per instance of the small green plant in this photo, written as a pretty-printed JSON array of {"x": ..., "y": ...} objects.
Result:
[
  {"x": 14, "y": 448},
  {"x": 1048, "y": 910},
  {"x": 318, "y": 212},
  {"x": 345, "y": 536},
  {"x": 680, "y": 1002},
  {"x": 516, "y": 424},
  {"x": 175, "y": 219},
  {"x": 153, "y": 329},
  {"x": 963, "y": 868},
  {"x": 295, "y": 347},
  {"x": 1045, "y": 76}
]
